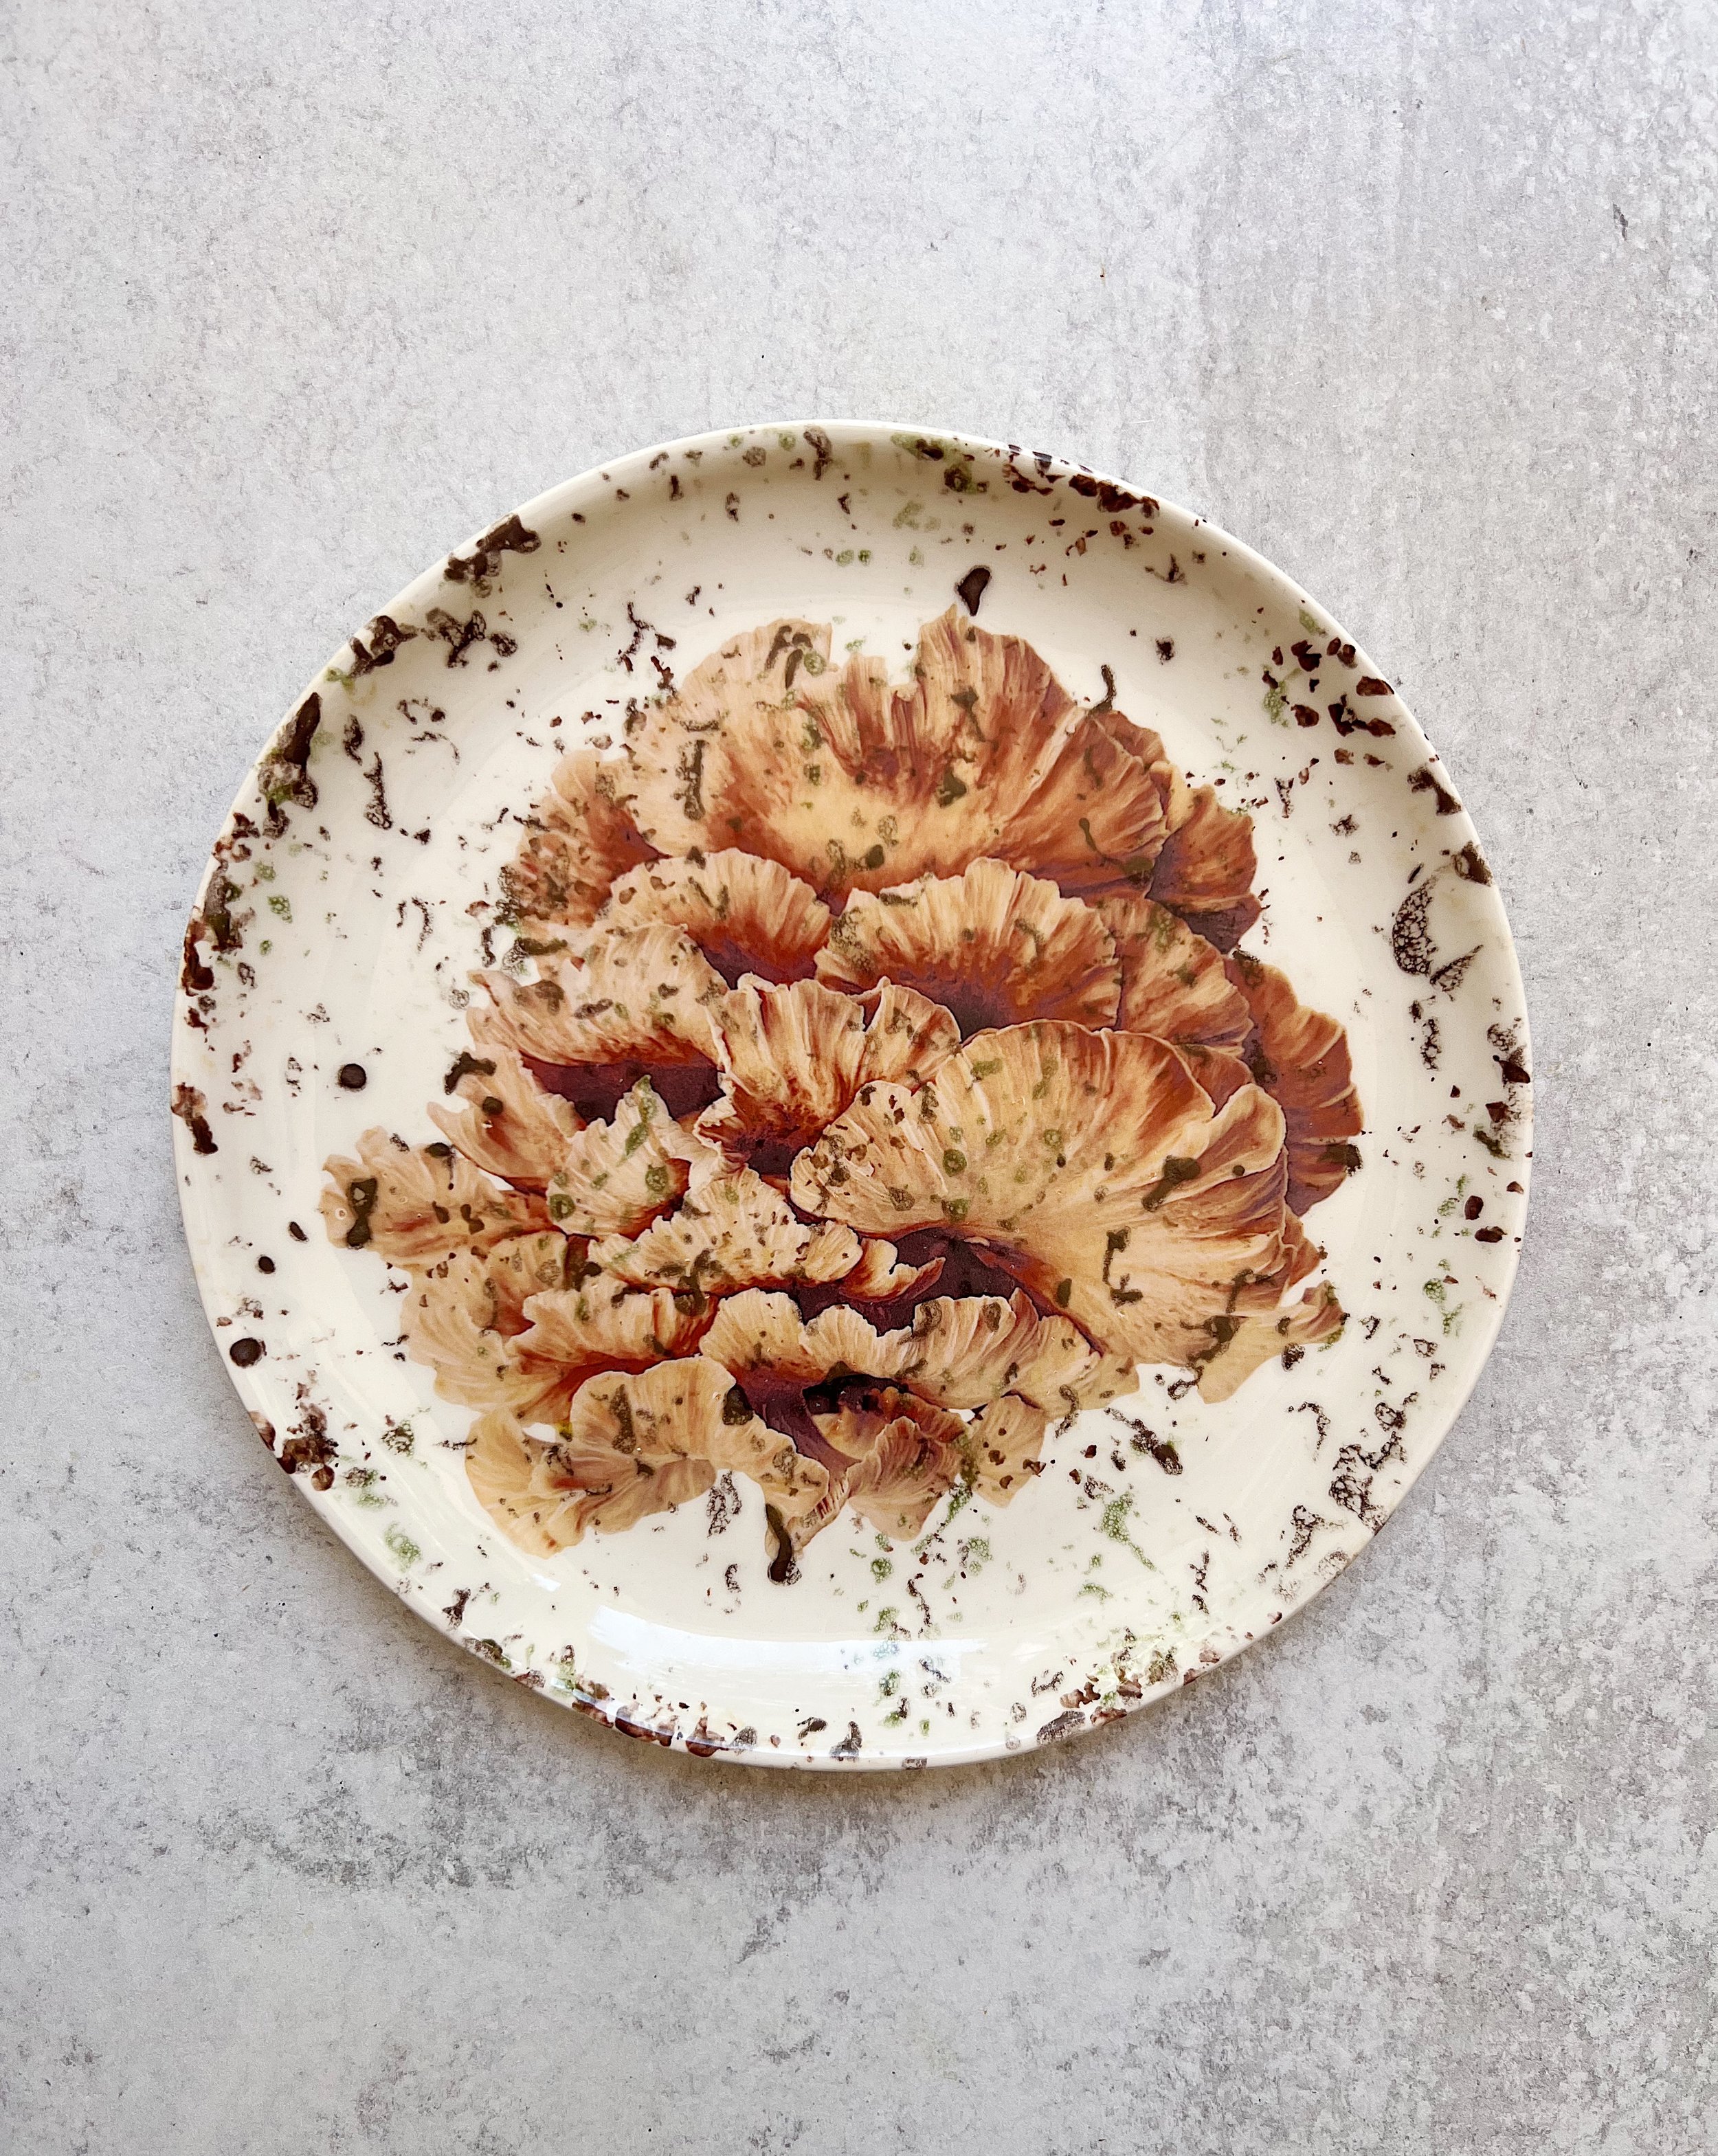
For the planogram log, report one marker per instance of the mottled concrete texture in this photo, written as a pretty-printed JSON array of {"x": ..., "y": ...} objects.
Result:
[{"x": 1420, "y": 301}]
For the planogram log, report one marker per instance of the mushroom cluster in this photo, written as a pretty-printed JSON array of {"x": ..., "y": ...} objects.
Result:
[{"x": 873, "y": 1081}]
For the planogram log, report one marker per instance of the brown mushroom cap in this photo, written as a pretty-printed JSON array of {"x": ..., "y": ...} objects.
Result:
[
  {"x": 991, "y": 945},
  {"x": 1092, "y": 1167}
]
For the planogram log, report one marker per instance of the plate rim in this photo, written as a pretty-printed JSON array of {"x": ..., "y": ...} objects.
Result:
[{"x": 560, "y": 500}]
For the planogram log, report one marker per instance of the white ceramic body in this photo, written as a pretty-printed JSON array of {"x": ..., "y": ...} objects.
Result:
[{"x": 1109, "y": 1580}]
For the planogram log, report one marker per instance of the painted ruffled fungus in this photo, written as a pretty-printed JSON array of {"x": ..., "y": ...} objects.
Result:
[{"x": 873, "y": 1083}]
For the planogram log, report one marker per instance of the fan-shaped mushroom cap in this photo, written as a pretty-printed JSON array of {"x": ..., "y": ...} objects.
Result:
[
  {"x": 414, "y": 1204},
  {"x": 615, "y": 1177},
  {"x": 1300, "y": 1057},
  {"x": 578, "y": 838},
  {"x": 506, "y": 1122},
  {"x": 1092, "y": 1165},
  {"x": 745, "y": 915},
  {"x": 731, "y": 1231},
  {"x": 792, "y": 1058},
  {"x": 1206, "y": 870},
  {"x": 1173, "y": 983},
  {"x": 627, "y": 994},
  {"x": 990, "y": 945}
]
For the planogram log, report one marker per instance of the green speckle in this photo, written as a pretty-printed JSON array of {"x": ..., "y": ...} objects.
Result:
[
  {"x": 864, "y": 554},
  {"x": 1116, "y": 1516},
  {"x": 403, "y": 1547},
  {"x": 917, "y": 557},
  {"x": 281, "y": 904},
  {"x": 1309, "y": 624},
  {"x": 844, "y": 557},
  {"x": 880, "y": 1568}
]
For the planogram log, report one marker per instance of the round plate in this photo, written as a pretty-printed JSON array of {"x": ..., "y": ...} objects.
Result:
[{"x": 1009, "y": 1572}]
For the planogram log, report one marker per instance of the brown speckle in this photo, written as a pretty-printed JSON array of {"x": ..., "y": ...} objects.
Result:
[
  {"x": 188, "y": 1105},
  {"x": 1426, "y": 780},
  {"x": 973, "y": 586},
  {"x": 508, "y": 537}
]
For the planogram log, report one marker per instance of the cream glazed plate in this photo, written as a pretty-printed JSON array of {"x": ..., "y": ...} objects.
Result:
[{"x": 851, "y": 1098}]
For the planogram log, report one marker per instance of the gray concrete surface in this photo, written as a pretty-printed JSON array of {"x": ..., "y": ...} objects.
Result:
[{"x": 1420, "y": 299}]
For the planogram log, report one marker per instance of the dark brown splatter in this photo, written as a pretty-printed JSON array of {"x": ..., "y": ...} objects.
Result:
[
  {"x": 377, "y": 813},
  {"x": 973, "y": 587},
  {"x": 1114, "y": 499},
  {"x": 385, "y": 637},
  {"x": 476, "y": 567},
  {"x": 1450, "y": 976},
  {"x": 1469, "y": 864},
  {"x": 1410, "y": 938},
  {"x": 1063, "y": 1725},
  {"x": 352, "y": 1077},
  {"x": 195, "y": 978},
  {"x": 458, "y": 635},
  {"x": 310, "y": 1449},
  {"x": 188, "y": 1105},
  {"x": 246, "y": 1352},
  {"x": 1426, "y": 780},
  {"x": 283, "y": 775},
  {"x": 1346, "y": 723}
]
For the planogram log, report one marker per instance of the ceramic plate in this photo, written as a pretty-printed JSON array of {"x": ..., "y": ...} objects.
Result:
[{"x": 850, "y": 1097}]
